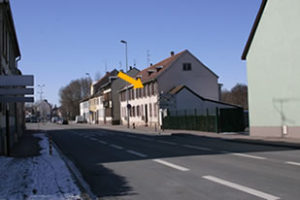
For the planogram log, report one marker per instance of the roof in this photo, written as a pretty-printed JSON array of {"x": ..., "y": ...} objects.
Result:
[
  {"x": 10, "y": 17},
  {"x": 179, "y": 88},
  {"x": 154, "y": 73},
  {"x": 254, "y": 28},
  {"x": 104, "y": 80}
]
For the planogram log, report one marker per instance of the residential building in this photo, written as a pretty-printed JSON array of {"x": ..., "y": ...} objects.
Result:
[
  {"x": 103, "y": 105},
  {"x": 272, "y": 54},
  {"x": 179, "y": 70},
  {"x": 43, "y": 110},
  {"x": 12, "y": 115},
  {"x": 84, "y": 109}
]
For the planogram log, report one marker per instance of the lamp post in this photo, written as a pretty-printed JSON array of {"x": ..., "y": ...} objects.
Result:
[
  {"x": 127, "y": 104},
  {"x": 90, "y": 94}
]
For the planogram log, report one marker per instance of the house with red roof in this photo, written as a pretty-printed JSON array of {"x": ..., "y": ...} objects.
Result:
[{"x": 179, "y": 73}]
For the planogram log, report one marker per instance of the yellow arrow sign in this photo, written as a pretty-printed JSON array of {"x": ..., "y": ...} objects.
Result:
[{"x": 136, "y": 83}]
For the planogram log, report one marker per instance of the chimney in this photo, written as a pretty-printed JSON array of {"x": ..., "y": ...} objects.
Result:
[
  {"x": 151, "y": 64},
  {"x": 130, "y": 67},
  {"x": 172, "y": 53}
]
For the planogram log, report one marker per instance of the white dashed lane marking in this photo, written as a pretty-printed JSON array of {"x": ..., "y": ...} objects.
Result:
[
  {"x": 137, "y": 153},
  {"x": 249, "y": 156},
  {"x": 248, "y": 190},
  {"x": 198, "y": 148},
  {"x": 171, "y": 165},
  {"x": 166, "y": 142},
  {"x": 292, "y": 163},
  {"x": 116, "y": 146},
  {"x": 102, "y": 142}
]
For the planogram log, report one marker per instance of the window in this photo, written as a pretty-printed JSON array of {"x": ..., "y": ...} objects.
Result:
[
  {"x": 150, "y": 109},
  {"x": 133, "y": 111},
  {"x": 187, "y": 66},
  {"x": 148, "y": 90},
  {"x": 142, "y": 110},
  {"x": 137, "y": 111},
  {"x": 152, "y": 88},
  {"x": 155, "y": 109}
]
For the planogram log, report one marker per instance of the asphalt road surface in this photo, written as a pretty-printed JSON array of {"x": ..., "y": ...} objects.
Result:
[{"x": 120, "y": 165}]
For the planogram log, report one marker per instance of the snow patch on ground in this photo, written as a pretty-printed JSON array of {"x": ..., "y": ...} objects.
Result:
[{"x": 41, "y": 177}]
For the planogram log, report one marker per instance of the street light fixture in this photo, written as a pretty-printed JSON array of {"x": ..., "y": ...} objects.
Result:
[{"x": 128, "y": 106}]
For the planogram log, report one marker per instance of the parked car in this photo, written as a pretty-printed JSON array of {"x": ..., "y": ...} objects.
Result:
[
  {"x": 62, "y": 121},
  {"x": 79, "y": 119}
]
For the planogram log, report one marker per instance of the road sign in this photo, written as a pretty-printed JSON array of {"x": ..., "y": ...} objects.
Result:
[
  {"x": 16, "y": 80},
  {"x": 16, "y": 91},
  {"x": 12, "y": 99}
]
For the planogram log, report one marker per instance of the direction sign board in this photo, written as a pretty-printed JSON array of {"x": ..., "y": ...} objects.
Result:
[
  {"x": 13, "y": 99},
  {"x": 16, "y": 80},
  {"x": 16, "y": 91}
]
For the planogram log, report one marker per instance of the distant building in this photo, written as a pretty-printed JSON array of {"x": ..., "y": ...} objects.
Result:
[
  {"x": 272, "y": 54},
  {"x": 43, "y": 110},
  {"x": 182, "y": 72},
  {"x": 12, "y": 115},
  {"x": 103, "y": 104}
]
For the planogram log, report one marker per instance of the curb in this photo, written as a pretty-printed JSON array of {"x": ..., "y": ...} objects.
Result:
[
  {"x": 86, "y": 192},
  {"x": 261, "y": 142}
]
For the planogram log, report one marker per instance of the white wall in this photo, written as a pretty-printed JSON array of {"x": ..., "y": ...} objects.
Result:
[
  {"x": 200, "y": 79},
  {"x": 152, "y": 120},
  {"x": 187, "y": 101}
]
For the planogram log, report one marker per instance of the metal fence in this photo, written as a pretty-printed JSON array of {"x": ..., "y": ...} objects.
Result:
[{"x": 211, "y": 120}]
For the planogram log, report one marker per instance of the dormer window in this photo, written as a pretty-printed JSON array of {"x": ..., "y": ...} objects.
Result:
[
  {"x": 158, "y": 68},
  {"x": 187, "y": 66},
  {"x": 150, "y": 71}
]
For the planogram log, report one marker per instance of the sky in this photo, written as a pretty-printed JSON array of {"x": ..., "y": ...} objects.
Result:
[{"x": 62, "y": 40}]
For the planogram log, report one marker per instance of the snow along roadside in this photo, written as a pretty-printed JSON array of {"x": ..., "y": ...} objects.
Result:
[{"x": 40, "y": 177}]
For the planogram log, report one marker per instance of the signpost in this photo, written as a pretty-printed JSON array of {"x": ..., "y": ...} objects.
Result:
[{"x": 13, "y": 90}]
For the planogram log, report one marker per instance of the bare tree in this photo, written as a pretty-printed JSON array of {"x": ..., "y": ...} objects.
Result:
[
  {"x": 238, "y": 95},
  {"x": 71, "y": 95}
]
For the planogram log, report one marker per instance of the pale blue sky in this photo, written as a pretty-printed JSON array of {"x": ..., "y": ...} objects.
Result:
[{"x": 61, "y": 40}]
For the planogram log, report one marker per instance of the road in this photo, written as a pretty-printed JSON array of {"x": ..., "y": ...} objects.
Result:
[{"x": 120, "y": 165}]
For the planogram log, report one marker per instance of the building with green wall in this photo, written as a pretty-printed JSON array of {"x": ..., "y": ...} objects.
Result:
[{"x": 273, "y": 66}]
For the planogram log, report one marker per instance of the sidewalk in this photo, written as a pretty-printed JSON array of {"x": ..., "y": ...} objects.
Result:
[
  {"x": 31, "y": 173},
  {"x": 232, "y": 137}
]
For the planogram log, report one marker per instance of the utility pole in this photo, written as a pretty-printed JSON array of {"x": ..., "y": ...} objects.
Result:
[{"x": 40, "y": 91}]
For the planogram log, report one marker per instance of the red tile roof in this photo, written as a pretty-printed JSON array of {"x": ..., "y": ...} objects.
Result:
[{"x": 146, "y": 77}]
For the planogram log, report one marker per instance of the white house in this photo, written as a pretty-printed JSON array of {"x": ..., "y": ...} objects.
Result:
[{"x": 182, "y": 69}]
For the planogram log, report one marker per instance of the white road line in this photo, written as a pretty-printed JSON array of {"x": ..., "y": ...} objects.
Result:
[
  {"x": 166, "y": 142},
  {"x": 116, "y": 146},
  {"x": 248, "y": 156},
  {"x": 137, "y": 153},
  {"x": 292, "y": 163},
  {"x": 102, "y": 142},
  {"x": 198, "y": 148},
  {"x": 171, "y": 165},
  {"x": 241, "y": 188}
]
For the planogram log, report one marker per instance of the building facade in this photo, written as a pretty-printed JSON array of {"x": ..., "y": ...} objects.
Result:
[
  {"x": 12, "y": 115},
  {"x": 103, "y": 105},
  {"x": 148, "y": 104},
  {"x": 272, "y": 54}
]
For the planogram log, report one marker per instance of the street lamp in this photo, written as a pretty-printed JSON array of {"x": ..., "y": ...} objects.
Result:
[{"x": 128, "y": 106}]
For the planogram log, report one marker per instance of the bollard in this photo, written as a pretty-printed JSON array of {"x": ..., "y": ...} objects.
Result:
[{"x": 50, "y": 144}]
